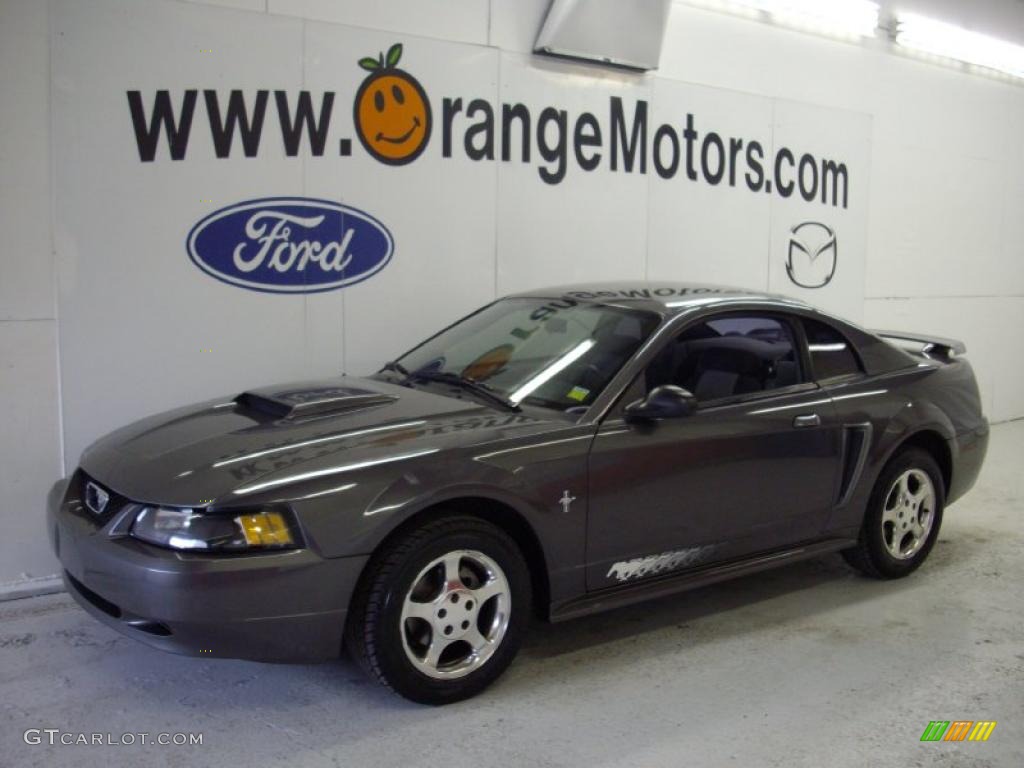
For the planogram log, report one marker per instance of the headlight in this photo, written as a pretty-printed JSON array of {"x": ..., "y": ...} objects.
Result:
[{"x": 213, "y": 532}]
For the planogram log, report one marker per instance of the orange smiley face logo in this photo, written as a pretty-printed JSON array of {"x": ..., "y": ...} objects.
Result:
[{"x": 392, "y": 113}]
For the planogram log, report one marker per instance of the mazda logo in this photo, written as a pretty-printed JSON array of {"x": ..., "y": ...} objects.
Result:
[{"x": 811, "y": 260}]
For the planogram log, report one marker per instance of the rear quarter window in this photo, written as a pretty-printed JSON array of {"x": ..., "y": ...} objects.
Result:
[{"x": 832, "y": 355}]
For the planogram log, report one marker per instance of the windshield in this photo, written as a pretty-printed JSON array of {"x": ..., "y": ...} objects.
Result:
[{"x": 553, "y": 354}]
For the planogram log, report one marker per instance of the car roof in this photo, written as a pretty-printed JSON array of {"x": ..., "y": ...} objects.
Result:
[
  {"x": 665, "y": 298},
  {"x": 671, "y": 299}
]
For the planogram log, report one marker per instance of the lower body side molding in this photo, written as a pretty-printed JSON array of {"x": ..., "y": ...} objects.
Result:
[{"x": 619, "y": 596}]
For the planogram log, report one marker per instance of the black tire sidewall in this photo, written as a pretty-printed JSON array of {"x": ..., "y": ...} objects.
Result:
[
  {"x": 887, "y": 565},
  {"x": 396, "y": 667}
]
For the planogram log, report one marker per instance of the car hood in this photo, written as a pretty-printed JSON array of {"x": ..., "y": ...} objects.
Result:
[{"x": 198, "y": 455}]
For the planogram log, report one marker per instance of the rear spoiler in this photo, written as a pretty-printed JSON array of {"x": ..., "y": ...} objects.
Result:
[{"x": 932, "y": 346}]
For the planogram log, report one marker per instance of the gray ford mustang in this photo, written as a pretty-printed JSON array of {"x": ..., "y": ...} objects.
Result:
[{"x": 563, "y": 451}]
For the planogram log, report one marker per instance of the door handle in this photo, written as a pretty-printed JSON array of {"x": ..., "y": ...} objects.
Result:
[{"x": 807, "y": 420}]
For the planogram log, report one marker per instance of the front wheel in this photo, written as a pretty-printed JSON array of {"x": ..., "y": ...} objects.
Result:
[
  {"x": 441, "y": 611},
  {"x": 903, "y": 517}
]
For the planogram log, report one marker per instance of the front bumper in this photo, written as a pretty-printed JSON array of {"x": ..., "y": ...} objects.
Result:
[{"x": 282, "y": 606}]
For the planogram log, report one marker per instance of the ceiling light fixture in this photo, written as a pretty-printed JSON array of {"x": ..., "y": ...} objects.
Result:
[
  {"x": 838, "y": 18},
  {"x": 937, "y": 38}
]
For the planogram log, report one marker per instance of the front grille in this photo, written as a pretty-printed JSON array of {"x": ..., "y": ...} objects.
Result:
[{"x": 115, "y": 503}]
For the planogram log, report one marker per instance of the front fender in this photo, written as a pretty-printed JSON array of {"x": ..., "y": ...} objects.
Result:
[
  {"x": 411, "y": 493},
  {"x": 530, "y": 478}
]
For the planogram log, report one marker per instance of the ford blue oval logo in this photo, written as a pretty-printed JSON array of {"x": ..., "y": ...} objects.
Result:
[{"x": 290, "y": 245}]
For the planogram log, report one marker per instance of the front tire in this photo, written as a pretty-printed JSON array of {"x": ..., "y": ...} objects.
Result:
[
  {"x": 903, "y": 517},
  {"x": 441, "y": 611}
]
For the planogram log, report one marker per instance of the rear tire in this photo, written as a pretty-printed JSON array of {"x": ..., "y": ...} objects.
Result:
[
  {"x": 441, "y": 611},
  {"x": 903, "y": 517}
]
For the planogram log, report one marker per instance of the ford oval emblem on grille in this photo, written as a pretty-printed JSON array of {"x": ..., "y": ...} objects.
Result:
[{"x": 96, "y": 498}]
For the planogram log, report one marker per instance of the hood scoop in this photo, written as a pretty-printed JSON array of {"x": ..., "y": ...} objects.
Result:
[{"x": 303, "y": 402}]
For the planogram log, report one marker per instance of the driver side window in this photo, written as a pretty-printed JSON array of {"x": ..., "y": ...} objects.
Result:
[{"x": 728, "y": 356}]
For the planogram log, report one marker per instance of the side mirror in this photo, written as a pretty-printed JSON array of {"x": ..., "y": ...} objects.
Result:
[{"x": 665, "y": 402}]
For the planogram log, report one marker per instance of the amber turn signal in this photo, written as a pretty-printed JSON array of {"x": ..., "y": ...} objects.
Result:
[{"x": 265, "y": 529}]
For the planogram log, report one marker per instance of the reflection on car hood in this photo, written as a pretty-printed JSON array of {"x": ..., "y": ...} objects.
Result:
[{"x": 194, "y": 456}]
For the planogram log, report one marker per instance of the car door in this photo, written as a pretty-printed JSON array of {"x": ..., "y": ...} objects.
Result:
[{"x": 751, "y": 470}]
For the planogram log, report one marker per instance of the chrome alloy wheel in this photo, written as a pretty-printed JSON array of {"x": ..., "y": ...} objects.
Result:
[
  {"x": 456, "y": 614},
  {"x": 908, "y": 514}
]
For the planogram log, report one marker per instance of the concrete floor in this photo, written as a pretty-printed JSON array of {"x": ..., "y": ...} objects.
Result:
[{"x": 810, "y": 665}]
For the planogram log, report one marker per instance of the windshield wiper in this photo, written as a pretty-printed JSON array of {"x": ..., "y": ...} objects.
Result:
[
  {"x": 446, "y": 377},
  {"x": 397, "y": 367}
]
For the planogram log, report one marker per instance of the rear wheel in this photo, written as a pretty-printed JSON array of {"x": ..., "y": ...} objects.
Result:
[
  {"x": 903, "y": 517},
  {"x": 442, "y": 610}
]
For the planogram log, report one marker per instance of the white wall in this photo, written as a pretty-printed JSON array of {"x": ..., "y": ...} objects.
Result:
[
  {"x": 944, "y": 238},
  {"x": 30, "y": 437}
]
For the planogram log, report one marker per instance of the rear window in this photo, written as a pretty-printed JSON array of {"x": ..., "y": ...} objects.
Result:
[{"x": 832, "y": 356}]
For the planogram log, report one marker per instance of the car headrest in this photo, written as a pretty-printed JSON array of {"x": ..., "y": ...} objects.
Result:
[{"x": 766, "y": 350}]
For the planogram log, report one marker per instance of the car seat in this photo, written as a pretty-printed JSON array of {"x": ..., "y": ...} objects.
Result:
[{"x": 724, "y": 371}]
